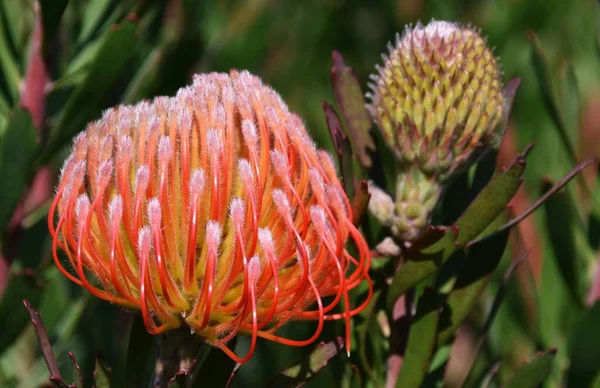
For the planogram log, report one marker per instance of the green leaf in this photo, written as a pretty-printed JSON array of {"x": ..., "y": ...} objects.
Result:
[
  {"x": 484, "y": 209},
  {"x": 145, "y": 81},
  {"x": 562, "y": 102},
  {"x": 349, "y": 98},
  {"x": 168, "y": 65},
  {"x": 490, "y": 202},
  {"x": 534, "y": 372},
  {"x": 482, "y": 260},
  {"x": 9, "y": 66},
  {"x": 299, "y": 373},
  {"x": 484, "y": 171},
  {"x": 17, "y": 151},
  {"x": 569, "y": 96},
  {"x": 422, "y": 341},
  {"x": 370, "y": 337},
  {"x": 21, "y": 284},
  {"x": 116, "y": 49},
  {"x": 563, "y": 241},
  {"x": 78, "y": 68},
  {"x": 216, "y": 367},
  {"x": 469, "y": 378},
  {"x": 101, "y": 373},
  {"x": 141, "y": 347},
  {"x": 584, "y": 352},
  {"x": 4, "y": 109},
  {"x": 94, "y": 12},
  {"x": 52, "y": 12},
  {"x": 17, "y": 19},
  {"x": 549, "y": 93}
]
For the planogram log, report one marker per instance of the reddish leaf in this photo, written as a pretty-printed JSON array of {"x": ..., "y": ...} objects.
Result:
[
  {"x": 360, "y": 202},
  {"x": 36, "y": 77},
  {"x": 341, "y": 146},
  {"x": 350, "y": 99},
  {"x": 509, "y": 94},
  {"x": 589, "y": 142}
]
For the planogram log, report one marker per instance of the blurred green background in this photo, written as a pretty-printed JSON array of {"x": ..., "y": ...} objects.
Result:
[{"x": 100, "y": 55}]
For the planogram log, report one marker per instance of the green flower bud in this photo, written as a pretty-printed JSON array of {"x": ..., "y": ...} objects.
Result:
[{"x": 438, "y": 102}]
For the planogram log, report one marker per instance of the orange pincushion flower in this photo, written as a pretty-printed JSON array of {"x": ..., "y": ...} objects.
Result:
[{"x": 212, "y": 209}]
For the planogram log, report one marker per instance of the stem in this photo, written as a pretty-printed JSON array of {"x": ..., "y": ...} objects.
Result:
[
  {"x": 180, "y": 353},
  {"x": 416, "y": 197}
]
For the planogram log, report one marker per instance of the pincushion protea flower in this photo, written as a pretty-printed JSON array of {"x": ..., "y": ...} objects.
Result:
[
  {"x": 212, "y": 209},
  {"x": 438, "y": 102}
]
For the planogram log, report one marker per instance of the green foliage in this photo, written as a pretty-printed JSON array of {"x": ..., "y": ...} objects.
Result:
[
  {"x": 481, "y": 262},
  {"x": 350, "y": 99},
  {"x": 116, "y": 47},
  {"x": 98, "y": 53},
  {"x": 17, "y": 151},
  {"x": 299, "y": 373},
  {"x": 533, "y": 373},
  {"x": 422, "y": 341},
  {"x": 13, "y": 318},
  {"x": 583, "y": 352}
]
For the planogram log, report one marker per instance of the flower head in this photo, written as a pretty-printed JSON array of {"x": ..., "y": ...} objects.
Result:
[
  {"x": 438, "y": 102},
  {"x": 211, "y": 209}
]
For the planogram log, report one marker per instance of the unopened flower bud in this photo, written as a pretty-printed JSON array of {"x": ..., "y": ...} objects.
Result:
[{"x": 438, "y": 102}]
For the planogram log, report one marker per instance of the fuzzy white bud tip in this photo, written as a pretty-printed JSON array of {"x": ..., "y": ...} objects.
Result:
[
  {"x": 142, "y": 177},
  {"x": 246, "y": 173},
  {"x": 254, "y": 269},
  {"x": 237, "y": 211},
  {"x": 144, "y": 241},
  {"x": 219, "y": 116},
  {"x": 213, "y": 234},
  {"x": 197, "y": 181},
  {"x": 316, "y": 182},
  {"x": 265, "y": 238},
  {"x": 105, "y": 172},
  {"x": 154, "y": 213},
  {"x": 319, "y": 218},
  {"x": 154, "y": 124},
  {"x": 82, "y": 207},
  {"x": 115, "y": 209},
  {"x": 281, "y": 164},
  {"x": 249, "y": 131},
  {"x": 281, "y": 202},
  {"x": 164, "y": 149},
  {"x": 214, "y": 141},
  {"x": 126, "y": 147},
  {"x": 184, "y": 121}
]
